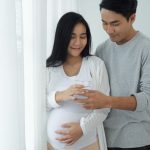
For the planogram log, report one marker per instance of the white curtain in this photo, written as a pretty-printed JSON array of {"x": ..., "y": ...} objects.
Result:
[
  {"x": 34, "y": 37},
  {"x": 12, "y": 131},
  {"x": 22, "y": 77},
  {"x": 55, "y": 9},
  {"x": 23, "y": 46}
]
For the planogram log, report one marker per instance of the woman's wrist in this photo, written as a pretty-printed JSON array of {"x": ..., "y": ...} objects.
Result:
[{"x": 59, "y": 97}]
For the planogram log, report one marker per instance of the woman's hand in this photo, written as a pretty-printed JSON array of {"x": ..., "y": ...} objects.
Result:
[
  {"x": 71, "y": 133},
  {"x": 69, "y": 93}
]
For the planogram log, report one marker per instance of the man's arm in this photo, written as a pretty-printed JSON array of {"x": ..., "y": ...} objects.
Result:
[
  {"x": 97, "y": 100},
  {"x": 123, "y": 103}
]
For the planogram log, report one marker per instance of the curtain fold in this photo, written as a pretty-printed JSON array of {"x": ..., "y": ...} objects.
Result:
[
  {"x": 23, "y": 46},
  {"x": 12, "y": 129},
  {"x": 34, "y": 37}
]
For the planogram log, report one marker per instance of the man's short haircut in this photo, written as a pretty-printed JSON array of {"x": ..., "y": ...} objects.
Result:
[{"x": 124, "y": 7}]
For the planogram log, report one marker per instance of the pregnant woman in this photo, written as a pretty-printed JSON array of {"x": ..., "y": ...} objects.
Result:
[{"x": 70, "y": 71}]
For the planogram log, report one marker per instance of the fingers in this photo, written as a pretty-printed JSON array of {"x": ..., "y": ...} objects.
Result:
[
  {"x": 81, "y": 101},
  {"x": 76, "y": 89},
  {"x": 88, "y": 106},
  {"x": 78, "y": 85},
  {"x": 62, "y": 132},
  {"x": 66, "y": 125},
  {"x": 79, "y": 90},
  {"x": 71, "y": 98},
  {"x": 88, "y": 92},
  {"x": 66, "y": 138},
  {"x": 85, "y": 103},
  {"x": 84, "y": 94},
  {"x": 66, "y": 135}
]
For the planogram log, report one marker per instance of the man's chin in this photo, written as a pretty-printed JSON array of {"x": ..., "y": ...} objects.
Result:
[{"x": 113, "y": 39}]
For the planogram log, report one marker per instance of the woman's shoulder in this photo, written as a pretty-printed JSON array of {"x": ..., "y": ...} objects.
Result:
[{"x": 53, "y": 69}]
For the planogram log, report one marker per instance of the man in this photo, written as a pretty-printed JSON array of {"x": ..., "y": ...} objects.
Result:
[{"x": 127, "y": 57}]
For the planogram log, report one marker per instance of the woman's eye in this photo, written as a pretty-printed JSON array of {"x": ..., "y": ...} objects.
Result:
[
  {"x": 72, "y": 37},
  {"x": 83, "y": 37}
]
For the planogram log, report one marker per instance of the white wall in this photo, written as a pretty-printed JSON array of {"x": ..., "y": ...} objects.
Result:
[
  {"x": 143, "y": 11},
  {"x": 90, "y": 11}
]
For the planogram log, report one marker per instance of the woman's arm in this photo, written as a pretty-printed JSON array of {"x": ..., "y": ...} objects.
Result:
[
  {"x": 55, "y": 97},
  {"x": 101, "y": 82}
]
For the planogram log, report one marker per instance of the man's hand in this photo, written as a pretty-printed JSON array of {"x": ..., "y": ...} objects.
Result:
[
  {"x": 95, "y": 100},
  {"x": 71, "y": 133}
]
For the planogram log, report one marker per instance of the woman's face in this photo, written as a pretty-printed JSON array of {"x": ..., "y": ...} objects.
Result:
[{"x": 78, "y": 40}]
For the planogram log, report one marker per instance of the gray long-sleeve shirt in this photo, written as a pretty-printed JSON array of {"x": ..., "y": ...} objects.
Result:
[{"x": 128, "y": 67}]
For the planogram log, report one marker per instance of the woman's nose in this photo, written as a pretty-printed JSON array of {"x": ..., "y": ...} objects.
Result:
[{"x": 77, "y": 41}]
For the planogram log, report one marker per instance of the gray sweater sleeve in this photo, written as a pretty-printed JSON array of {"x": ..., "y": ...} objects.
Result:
[{"x": 143, "y": 97}]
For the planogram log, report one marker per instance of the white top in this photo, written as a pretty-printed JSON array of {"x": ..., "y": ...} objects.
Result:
[{"x": 93, "y": 74}]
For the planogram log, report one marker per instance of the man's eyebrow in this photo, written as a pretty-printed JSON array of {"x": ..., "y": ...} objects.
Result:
[{"x": 115, "y": 21}]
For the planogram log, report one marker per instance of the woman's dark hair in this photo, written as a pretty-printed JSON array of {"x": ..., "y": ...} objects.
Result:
[
  {"x": 63, "y": 34},
  {"x": 124, "y": 7}
]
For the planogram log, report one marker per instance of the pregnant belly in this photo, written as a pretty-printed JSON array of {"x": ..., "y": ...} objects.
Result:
[{"x": 59, "y": 116}]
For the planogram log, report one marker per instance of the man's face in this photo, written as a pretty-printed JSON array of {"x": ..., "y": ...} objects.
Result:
[{"x": 117, "y": 26}]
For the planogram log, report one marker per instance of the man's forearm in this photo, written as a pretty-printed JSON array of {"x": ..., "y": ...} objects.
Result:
[{"x": 123, "y": 103}]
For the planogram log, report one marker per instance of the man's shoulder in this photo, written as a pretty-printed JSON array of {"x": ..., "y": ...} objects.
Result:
[
  {"x": 95, "y": 59},
  {"x": 103, "y": 47},
  {"x": 104, "y": 44},
  {"x": 144, "y": 44}
]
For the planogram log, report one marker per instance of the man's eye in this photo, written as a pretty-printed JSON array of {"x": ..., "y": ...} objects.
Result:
[
  {"x": 104, "y": 23},
  {"x": 115, "y": 24}
]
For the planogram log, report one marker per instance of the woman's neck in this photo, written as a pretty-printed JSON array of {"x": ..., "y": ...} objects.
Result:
[
  {"x": 72, "y": 65},
  {"x": 73, "y": 60}
]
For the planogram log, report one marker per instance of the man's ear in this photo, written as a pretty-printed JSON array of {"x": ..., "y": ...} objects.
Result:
[{"x": 132, "y": 18}]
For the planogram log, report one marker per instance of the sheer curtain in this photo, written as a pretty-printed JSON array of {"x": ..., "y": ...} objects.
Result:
[
  {"x": 34, "y": 37},
  {"x": 23, "y": 48},
  {"x": 22, "y": 77},
  {"x": 12, "y": 131}
]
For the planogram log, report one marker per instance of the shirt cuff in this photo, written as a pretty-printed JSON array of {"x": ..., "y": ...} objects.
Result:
[
  {"x": 82, "y": 125},
  {"x": 51, "y": 100},
  {"x": 141, "y": 101}
]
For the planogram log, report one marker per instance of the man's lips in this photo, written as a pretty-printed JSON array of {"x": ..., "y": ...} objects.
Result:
[{"x": 112, "y": 36}]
